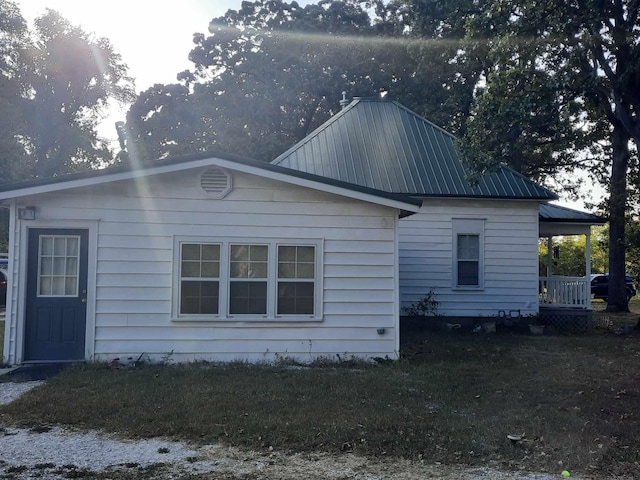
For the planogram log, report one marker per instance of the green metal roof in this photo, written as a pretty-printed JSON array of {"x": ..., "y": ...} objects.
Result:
[
  {"x": 381, "y": 145},
  {"x": 557, "y": 213}
]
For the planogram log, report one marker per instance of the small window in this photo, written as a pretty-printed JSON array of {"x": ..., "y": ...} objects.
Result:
[
  {"x": 58, "y": 271},
  {"x": 296, "y": 280},
  {"x": 468, "y": 253},
  {"x": 468, "y": 260},
  {"x": 200, "y": 278}
]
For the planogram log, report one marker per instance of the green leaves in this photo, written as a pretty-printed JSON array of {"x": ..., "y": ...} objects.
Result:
[{"x": 54, "y": 82}]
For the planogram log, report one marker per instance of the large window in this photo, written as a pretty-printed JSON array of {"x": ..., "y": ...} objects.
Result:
[
  {"x": 468, "y": 253},
  {"x": 251, "y": 280}
]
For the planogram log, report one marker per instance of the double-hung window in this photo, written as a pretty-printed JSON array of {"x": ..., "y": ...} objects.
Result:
[
  {"x": 468, "y": 250},
  {"x": 199, "y": 278},
  {"x": 248, "y": 278},
  {"x": 251, "y": 280},
  {"x": 296, "y": 279}
]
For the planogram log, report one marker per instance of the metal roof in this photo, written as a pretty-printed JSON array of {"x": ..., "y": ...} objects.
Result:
[
  {"x": 382, "y": 145},
  {"x": 556, "y": 213}
]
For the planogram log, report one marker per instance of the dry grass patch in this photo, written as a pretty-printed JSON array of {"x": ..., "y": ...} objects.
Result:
[{"x": 452, "y": 399}]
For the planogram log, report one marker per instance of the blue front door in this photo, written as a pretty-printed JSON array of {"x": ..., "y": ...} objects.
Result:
[{"x": 56, "y": 310}]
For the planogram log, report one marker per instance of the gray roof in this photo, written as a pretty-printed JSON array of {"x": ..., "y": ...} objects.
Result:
[
  {"x": 381, "y": 145},
  {"x": 556, "y": 213}
]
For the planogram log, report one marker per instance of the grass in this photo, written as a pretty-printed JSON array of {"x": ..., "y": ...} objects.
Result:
[{"x": 452, "y": 398}]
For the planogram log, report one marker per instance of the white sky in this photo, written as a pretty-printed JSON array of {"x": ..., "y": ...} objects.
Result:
[{"x": 154, "y": 37}]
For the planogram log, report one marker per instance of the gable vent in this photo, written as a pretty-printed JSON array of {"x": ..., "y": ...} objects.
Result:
[{"x": 216, "y": 182}]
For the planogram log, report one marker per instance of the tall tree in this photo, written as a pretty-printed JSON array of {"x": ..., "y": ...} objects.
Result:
[
  {"x": 54, "y": 84},
  {"x": 578, "y": 65},
  {"x": 14, "y": 37},
  {"x": 269, "y": 73}
]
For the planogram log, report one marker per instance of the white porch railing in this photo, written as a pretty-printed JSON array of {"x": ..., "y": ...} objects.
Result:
[{"x": 573, "y": 292}]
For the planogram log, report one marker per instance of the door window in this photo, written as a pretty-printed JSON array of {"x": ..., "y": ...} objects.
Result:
[{"x": 58, "y": 265}]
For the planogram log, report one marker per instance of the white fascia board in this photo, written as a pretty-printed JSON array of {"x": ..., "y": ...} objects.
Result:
[
  {"x": 303, "y": 182},
  {"x": 205, "y": 162}
]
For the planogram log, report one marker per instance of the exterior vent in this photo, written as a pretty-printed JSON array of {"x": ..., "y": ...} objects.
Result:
[{"x": 216, "y": 182}]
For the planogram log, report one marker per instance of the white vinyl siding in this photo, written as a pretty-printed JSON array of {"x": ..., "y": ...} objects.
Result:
[
  {"x": 508, "y": 264},
  {"x": 137, "y": 276}
]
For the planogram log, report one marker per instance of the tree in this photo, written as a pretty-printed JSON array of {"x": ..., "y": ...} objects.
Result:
[
  {"x": 583, "y": 58},
  {"x": 54, "y": 84},
  {"x": 271, "y": 72}
]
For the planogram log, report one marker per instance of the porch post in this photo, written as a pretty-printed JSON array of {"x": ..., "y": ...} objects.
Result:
[
  {"x": 588, "y": 268},
  {"x": 549, "y": 256}
]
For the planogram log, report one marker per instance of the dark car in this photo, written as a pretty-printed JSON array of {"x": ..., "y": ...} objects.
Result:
[
  {"x": 3, "y": 287},
  {"x": 600, "y": 286}
]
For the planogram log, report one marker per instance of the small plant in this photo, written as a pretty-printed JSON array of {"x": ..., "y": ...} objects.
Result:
[{"x": 425, "y": 307}]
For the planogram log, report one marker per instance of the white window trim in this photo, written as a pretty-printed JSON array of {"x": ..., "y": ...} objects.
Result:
[
  {"x": 272, "y": 280},
  {"x": 468, "y": 226}
]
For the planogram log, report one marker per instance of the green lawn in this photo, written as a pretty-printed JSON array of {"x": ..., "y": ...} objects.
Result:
[{"x": 452, "y": 398}]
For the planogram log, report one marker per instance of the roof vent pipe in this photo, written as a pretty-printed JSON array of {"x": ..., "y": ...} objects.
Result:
[{"x": 344, "y": 102}]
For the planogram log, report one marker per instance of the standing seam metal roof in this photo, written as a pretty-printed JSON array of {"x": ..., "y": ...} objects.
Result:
[{"x": 382, "y": 145}]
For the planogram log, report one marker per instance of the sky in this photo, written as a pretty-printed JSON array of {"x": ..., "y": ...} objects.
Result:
[{"x": 153, "y": 37}]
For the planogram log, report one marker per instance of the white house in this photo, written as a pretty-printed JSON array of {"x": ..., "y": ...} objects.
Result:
[
  {"x": 203, "y": 258},
  {"x": 215, "y": 257},
  {"x": 473, "y": 244}
]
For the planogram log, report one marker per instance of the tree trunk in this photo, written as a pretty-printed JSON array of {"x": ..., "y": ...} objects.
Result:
[{"x": 618, "y": 301}]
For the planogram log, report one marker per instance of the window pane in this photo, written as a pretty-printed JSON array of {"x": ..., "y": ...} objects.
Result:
[
  {"x": 295, "y": 298},
  {"x": 47, "y": 246},
  {"x": 249, "y": 261},
  {"x": 210, "y": 252},
  {"x": 200, "y": 261},
  {"x": 59, "y": 246},
  {"x": 248, "y": 298},
  {"x": 286, "y": 270},
  {"x": 72, "y": 246},
  {"x": 71, "y": 286},
  {"x": 239, "y": 252},
  {"x": 258, "y": 253},
  {"x": 239, "y": 270},
  {"x": 306, "y": 271},
  {"x": 199, "y": 297},
  {"x": 45, "y": 286},
  {"x": 258, "y": 270},
  {"x": 286, "y": 254},
  {"x": 46, "y": 266},
  {"x": 468, "y": 273},
  {"x": 210, "y": 269},
  {"x": 190, "y": 269},
  {"x": 190, "y": 251},
  {"x": 59, "y": 265},
  {"x": 468, "y": 247},
  {"x": 302, "y": 265},
  {"x": 306, "y": 254},
  {"x": 58, "y": 284},
  {"x": 72, "y": 266}
]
